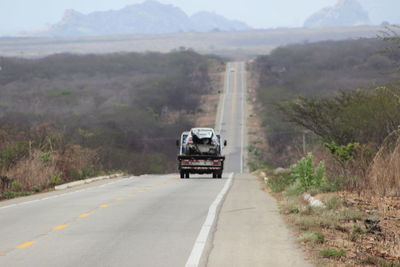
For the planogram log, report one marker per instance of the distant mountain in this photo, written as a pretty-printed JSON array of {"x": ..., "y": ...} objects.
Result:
[
  {"x": 344, "y": 13},
  {"x": 150, "y": 17},
  {"x": 206, "y": 21}
]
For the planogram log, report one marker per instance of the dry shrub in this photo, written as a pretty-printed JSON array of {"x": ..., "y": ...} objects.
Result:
[
  {"x": 384, "y": 171},
  {"x": 33, "y": 172},
  {"x": 75, "y": 161},
  {"x": 46, "y": 137},
  {"x": 351, "y": 174}
]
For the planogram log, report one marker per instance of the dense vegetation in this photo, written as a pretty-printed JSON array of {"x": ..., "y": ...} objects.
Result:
[
  {"x": 352, "y": 111},
  {"x": 72, "y": 116},
  {"x": 305, "y": 81}
]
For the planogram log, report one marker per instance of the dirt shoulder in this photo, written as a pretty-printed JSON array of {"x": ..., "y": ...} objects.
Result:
[{"x": 250, "y": 231}]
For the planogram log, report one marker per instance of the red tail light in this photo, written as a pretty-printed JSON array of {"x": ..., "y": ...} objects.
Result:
[
  {"x": 190, "y": 139},
  {"x": 216, "y": 163},
  {"x": 186, "y": 162}
]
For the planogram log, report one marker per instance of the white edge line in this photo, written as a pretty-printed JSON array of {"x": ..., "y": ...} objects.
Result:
[
  {"x": 243, "y": 116},
  {"x": 199, "y": 245}
]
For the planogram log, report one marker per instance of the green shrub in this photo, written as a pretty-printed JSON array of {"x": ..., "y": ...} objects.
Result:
[
  {"x": 56, "y": 179},
  {"x": 11, "y": 194},
  {"x": 357, "y": 230},
  {"x": 16, "y": 186},
  {"x": 294, "y": 190},
  {"x": 307, "y": 174},
  {"x": 37, "y": 189},
  {"x": 87, "y": 172},
  {"x": 280, "y": 182},
  {"x": 46, "y": 157},
  {"x": 332, "y": 253},
  {"x": 11, "y": 153}
]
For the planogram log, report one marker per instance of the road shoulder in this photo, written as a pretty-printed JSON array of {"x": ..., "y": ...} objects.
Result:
[{"x": 250, "y": 231}]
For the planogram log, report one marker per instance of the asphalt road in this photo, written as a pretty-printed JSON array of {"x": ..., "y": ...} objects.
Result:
[{"x": 135, "y": 221}]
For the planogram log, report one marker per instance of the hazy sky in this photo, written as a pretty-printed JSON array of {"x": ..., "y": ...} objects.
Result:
[
  {"x": 20, "y": 15},
  {"x": 28, "y": 15}
]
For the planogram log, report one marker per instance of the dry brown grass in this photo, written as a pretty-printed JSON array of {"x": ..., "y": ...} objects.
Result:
[
  {"x": 74, "y": 159},
  {"x": 41, "y": 169},
  {"x": 384, "y": 172},
  {"x": 30, "y": 173}
]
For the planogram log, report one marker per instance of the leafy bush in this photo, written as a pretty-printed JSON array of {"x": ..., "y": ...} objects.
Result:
[
  {"x": 280, "y": 182},
  {"x": 56, "y": 179},
  {"x": 46, "y": 157},
  {"x": 11, "y": 194},
  {"x": 16, "y": 186},
  {"x": 307, "y": 174},
  {"x": 348, "y": 119},
  {"x": 320, "y": 70},
  {"x": 11, "y": 152}
]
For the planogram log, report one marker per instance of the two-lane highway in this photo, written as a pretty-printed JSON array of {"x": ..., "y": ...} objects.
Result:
[
  {"x": 136, "y": 221},
  {"x": 232, "y": 118}
]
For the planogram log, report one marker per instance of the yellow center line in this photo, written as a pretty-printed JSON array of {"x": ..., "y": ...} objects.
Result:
[
  {"x": 2, "y": 254},
  {"x": 104, "y": 206},
  {"x": 26, "y": 244},
  {"x": 119, "y": 198},
  {"x": 60, "y": 227},
  {"x": 141, "y": 191},
  {"x": 84, "y": 215}
]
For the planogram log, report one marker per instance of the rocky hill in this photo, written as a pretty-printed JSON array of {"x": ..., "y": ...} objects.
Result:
[
  {"x": 150, "y": 17},
  {"x": 344, "y": 13}
]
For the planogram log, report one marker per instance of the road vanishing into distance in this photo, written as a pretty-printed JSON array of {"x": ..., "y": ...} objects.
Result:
[
  {"x": 157, "y": 220},
  {"x": 136, "y": 221}
]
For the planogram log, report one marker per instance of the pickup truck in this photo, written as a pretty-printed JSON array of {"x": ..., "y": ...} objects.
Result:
[{"x": 200, "y": 153}]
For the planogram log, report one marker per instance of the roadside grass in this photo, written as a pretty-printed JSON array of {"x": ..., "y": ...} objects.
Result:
[
  {"x": 316, "y": 225},
  {"x": 12, "y": 194},
  {"x": 377, "y": 261},
  {"x": 332, "y": 203},
  {"x": 332, "y": 253},
  {"x": 329, "y": 231},
  {"x": 280, "y": 182},
  {"x": 313, "y": 237},
  {"x": 350, "y": 215},
  {"x": 290, "y": 206},
  {"x": 305, "y": 223}
]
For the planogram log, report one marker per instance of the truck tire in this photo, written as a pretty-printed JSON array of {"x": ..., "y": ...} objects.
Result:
[
  {"x": 187, "y": 175},
  {"x": 214, "y": 175},
  {"x": 220, "y": 175},
  {"x": 182, "y": 175}
]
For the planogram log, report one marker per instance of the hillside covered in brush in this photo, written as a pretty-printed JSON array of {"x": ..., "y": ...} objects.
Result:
[{"x": 116, "y": 111}]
